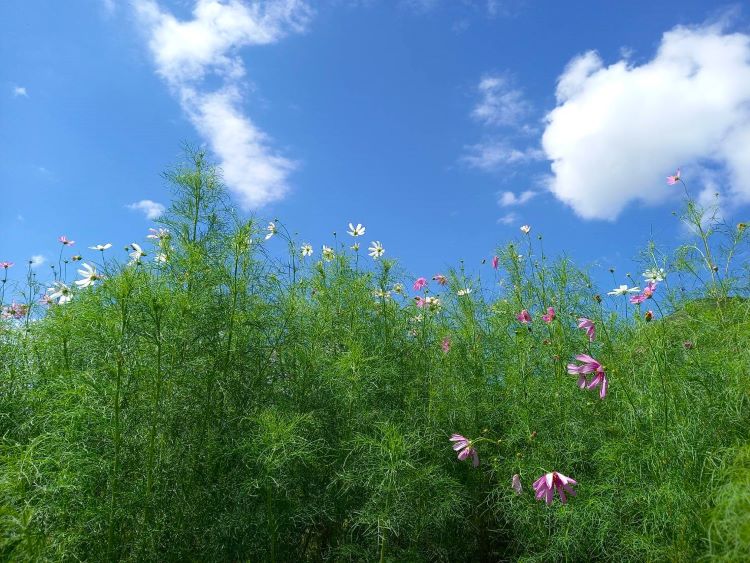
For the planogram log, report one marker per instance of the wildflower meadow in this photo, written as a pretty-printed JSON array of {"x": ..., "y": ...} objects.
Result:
[{"x": 224, "y": 391}]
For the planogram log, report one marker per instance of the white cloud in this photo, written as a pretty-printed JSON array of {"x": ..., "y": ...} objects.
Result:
[
  {"x": 37, "y": 260},
  {"x": 618, "y": 130},
  {"x": 500, "y": 103},
  {"x": 109, "y": 6},
  {"x": 20, "y": 91},
  {"x": 186, "y": 53},
  {"x": 508, "y": 199},
  {"x": 508, "y": 218},
  {"x": 491, "y": 155},
  {"x": 151, "y": 209}
]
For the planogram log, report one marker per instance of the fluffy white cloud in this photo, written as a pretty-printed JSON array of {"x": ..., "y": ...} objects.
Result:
[
  {"x": 500, "y": 103},
  {"x": 151, "y": 209},
  {"x": 20, "y": 91},
  {"x": 186, "y": 53},
  {"x": 618, "y": 130},
  {"x": 37, "y": 260},
  {"x": 508, "y": 199}
]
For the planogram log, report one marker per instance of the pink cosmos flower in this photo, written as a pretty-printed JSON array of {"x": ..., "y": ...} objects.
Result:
[
  {"x": 65, "y": 241},
  {"x": 495, "y": 262},
  {"x": 14, "y": 311},
  {"x": 590, "y": 365},
  {"x": 672, "y": 180},
  {"x": 550, "y": 316},
  {"x": 524, "y": 317},
  {"x": 419, "y": 284},
  {"x": 464, "y": 448},
  {"x": 446, "y": 344},
  {"x": 440, "y": 278},
  {"x": 420, "y": 301},
  {"x": 515, "y": 484},
  {"x": 546, "y": 484},
  {"x": 588, "y": 326},
  {"x": 648, "y": 293},
  {"x": 6, "y": 265}
]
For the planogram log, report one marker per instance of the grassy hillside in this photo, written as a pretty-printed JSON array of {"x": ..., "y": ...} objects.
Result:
[{"x": 211, "y": 401}]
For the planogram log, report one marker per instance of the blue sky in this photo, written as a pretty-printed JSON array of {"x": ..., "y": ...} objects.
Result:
[{"x": 442, "y": 125}]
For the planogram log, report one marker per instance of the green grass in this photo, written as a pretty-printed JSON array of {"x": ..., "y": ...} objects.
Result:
[{"x": 232, "y": 405}]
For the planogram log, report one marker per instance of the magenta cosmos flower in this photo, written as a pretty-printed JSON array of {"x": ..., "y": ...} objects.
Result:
[
  {"x": 546, "y": 484},
  {"x": 464, "y": 448},
  {"x": 550, "y": 316},
  {"x": 672, "y": 180},
  {"x": 419, "y": 284},
  {"x": 495, "y": 262},
  {"x": 590, "y": 365},
  {"x": 588, "y": 326},
  {"x": 524, "y": 317},
  {"x": 66, "y": 241},
  {"x": 648, "y": 293}
]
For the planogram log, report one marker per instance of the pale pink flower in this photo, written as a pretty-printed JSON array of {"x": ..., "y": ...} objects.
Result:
[
  {"x": 446, "y": 344},
  {"x": 672, "y": 180},
  {"x": 546, "y": 485},
  {"x": 440, "y": 279},
  {"x": 648, "y": 293},
  {"x": 550, "y": 316},
  {"x": 588, "y": 326},
  {"x": 590, "y": 365},
  {"x": 515, "y": 484},
  {"x": 495, "y": 262},
  {"x": 420, "y": 301},
  {"x": 419, "y": 284},
  {"x": 524, "y": 317},
  {"x": 6, "y": 265},
  {"x": 464, "y": 448},
  {"x": 65, "y": 241},
  {"x": 15, "y": 311}
]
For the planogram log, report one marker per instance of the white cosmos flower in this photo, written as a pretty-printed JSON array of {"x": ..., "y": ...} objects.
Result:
[
  {"x": 158, "y": 234},
  {"x": 355, "y": 247},
  {"x": 464, "y": 291},
  {"x": 272, "y": 230},
  {"x": 328, "y": 253},
  {"x": 382, "y": 294},
  {"x": 376, "y": 249},
  {"x": 432, "y": 303},
  {"x": 89, "y": 276},
  {"x": 655, "y": 275},
  {"x": 137, "y": 253},
  {"x": 399, "y": 288},
  {"x": 307, "y": 249},
  {"x": 101, "y": 247},
  {"x": 357, "y": 231},
  {"x": 525, "y": 229},
  {"x": 61, "y": 292},
  {"x": 623, "y": 290},
  {"x": 160, "y": 257}
]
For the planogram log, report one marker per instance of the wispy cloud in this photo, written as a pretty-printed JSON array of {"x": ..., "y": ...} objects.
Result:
[
  {"x": 151, "y": 209},
  {"x": 492, "y": 155},
  {"x": 508, "y": 219},
  {"x": 696, "y": 109},
  {"x": 20, "y": 91},
  {"x": 37, "y": 260},
  {"x": 508, "y": 199},
  {"x": 188, "y": 53},
  {"x": 500, "y": 103}
]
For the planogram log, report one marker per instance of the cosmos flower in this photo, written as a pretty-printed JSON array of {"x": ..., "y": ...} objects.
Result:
[
  {"x": 381, "y": 294},
  {"x": 60, "y": 292},
  {"x": 272, "y": 230},
  {"x": 463, "y": 291},
  {"x": 445, "y": 344},
  {"x": 515, "y": 484},
  {"x": 355, "y": 247},
  {"x": 655, "y": 275},
  {"x": 158, "y": 234},
  {"x": 546, "y": 485},
  {"x": 464, "y": 448},
  {"x": 648, "y": 316},
  {"x": 525, "y": 229},
  {"x": 524, "y": 317},
  {"x": 101, "y": 247},
  {"x": 419, "y": 284},
  {"x": 376, "y": 249},
  {"x": 495, "y": 262},
  {"x": 588, "y": 326},
  {"x": 357, "y": 231},
  {"x": 399, "y": 288},
  {"x": 623, "y": 290},
  {"x": 440, "y": 279},
  {"x": 590, "y": 365},
  {"x": 88, "y": 276},
  {"x": 328, "y": 253},
  {"x": 307, "y": 249},
  {"x": 550, "y": 316},
  {"x": 136, "y": 255},
  {"x": 6, "y": 265},
  {"x": 160, "y": 257},
  {"x": 648, "y": 293},
  {"x": 672, "y": 180},
  {"x": 66, "y": 241},
  {"x": 15, "y": 311}
]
